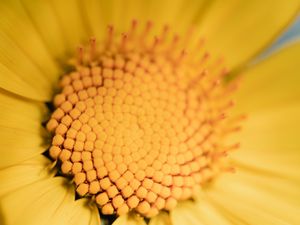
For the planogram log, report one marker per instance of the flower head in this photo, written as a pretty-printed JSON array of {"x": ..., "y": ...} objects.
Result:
[{"x": 140, "y": 123}]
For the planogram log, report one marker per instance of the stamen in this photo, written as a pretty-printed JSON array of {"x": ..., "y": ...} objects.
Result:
[
  {"x": 93, "y": 48},
  {"x": 204, "y": 58},
  {"x": 80, "y": 55},
  {"x": 148, "y": 28},
  {"x": 124, "y": 41},
  {"x": 173, "y": 45},
  {"x": 233, "y": 147},
  {"x": 155, "y": 43},
  {"x": 133, "y": 28},
  {"x": 228, "y": 169},
  {"x": 110, "y": 36},
  {"x": 165, "y": 32},
  {"x": 181, "y": 57}
]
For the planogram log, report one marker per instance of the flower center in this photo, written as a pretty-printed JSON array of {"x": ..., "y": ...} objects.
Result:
[{"x": 141, "y": 125}]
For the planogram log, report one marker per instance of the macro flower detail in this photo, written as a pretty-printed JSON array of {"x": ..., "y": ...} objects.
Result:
[
  {"x": 140, "y": 125},
  {"x": 148, "y": 112}
]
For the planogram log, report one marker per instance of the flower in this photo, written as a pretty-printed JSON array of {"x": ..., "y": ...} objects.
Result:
[{"x": 147, "y": 143}]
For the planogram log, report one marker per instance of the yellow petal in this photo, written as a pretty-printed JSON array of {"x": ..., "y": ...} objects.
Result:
[
  {"x": 270, "y": 94},
  {"x": 162, "y": 218},
  {"x": 80, "y": 212},
  {"x": 41, "y": 13},
  {"x": 179, "y": 14},
  {"x": 286, "y": 189},
  {"x": 26, "y": 66},
  {"x": 129, "y": 219},
  {"x": 272, "y": 83},
  {"x": 193, "y": 213},
  {"x": 238, "y": 30},
  {"x": 48, "y": 201},
  {"x": 97, "y": 15},
  {"x": 21, "y": 132},
  {"x": 95, "y": 217},
  {"x": 102, "y": 13},
  {"x": 27, "y": 172},
  {"x": 72, "y": 22},
  {"x": 270, "y": 141},
  {"x": 265, "y": 189},
  {"x": 69, "y": 23},
  {"x": 252, "y": 203},
  {"x": 66, "y": 26}
]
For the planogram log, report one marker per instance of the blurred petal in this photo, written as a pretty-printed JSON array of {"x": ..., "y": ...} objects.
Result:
[
  {"x": 70, "y": 19},
  {"x": 22, "y": 174},
  {"x": 100, "y": 14},
  {"x": 83, "y": 213},
  {"x": 41, "y": 13},
  {"x": 26, "y": 66},
  {"x": 47, "y": 201},
  {"x": 266, "y": 187},
  {"x": 21, "y": 132},
  {"x": 254, "y": 199},
  {"x": 273, "y": 83},
  {"x": 239, "y": 30},
  {"x": 162, "y": 218},
  {"x": 50, "y": 29},
  {"x": 129, "y": 219},
  {"x": 66, "y": 26},
  {"x": 270, "y": 95},
  {"x": 193, "y": 213},
  {"x": 270, "y": 142},
  {"x": 95, "y": 216}
]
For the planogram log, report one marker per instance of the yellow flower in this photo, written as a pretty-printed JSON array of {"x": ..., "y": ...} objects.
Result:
[{"x": 135, "y": 126}]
